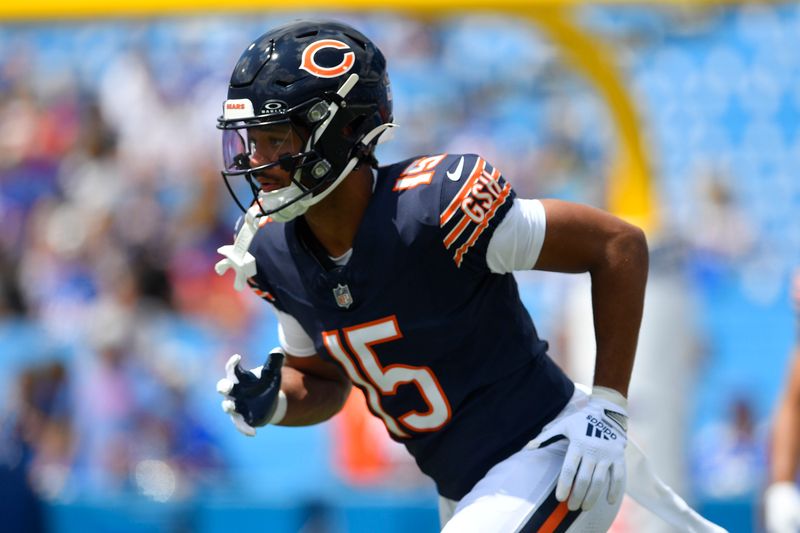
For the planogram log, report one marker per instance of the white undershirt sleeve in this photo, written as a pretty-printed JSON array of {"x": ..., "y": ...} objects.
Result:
[
  {"x": 293, "y": 338},
  {"x": 517, "y": 241}
]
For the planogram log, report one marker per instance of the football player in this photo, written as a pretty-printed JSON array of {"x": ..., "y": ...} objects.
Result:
[
  {"x": 397, "y": 279},
  {"x": 782, "y": 497}
]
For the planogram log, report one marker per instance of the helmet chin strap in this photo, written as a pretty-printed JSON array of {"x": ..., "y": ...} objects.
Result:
[
  {"x": 292, "y": 195},
  {"x": 333, "y": 108},
  {"x": 274, "y": 199},
  {"x": 311, "y": 200},
  {"x": 286, "y": 196}
]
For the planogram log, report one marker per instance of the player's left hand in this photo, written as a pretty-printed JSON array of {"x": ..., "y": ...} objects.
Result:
[
  {"x": 595, "y": 458},
  {"x": 252, "y": 396}
]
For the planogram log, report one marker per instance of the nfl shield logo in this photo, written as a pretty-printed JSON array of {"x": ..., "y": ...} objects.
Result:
[{"x": 343, "y": 296}]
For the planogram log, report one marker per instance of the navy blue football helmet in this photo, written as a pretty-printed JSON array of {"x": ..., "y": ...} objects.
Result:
[{"x": 328, "y": 84}]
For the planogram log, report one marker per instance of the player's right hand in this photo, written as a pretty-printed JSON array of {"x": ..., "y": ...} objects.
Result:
[
  {"x": 782, "y": 508},
  {"x": 595, "y": 459},
  {"x": 251, "y": 396}
]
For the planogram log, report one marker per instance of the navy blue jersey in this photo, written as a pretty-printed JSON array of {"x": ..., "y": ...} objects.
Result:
[{"x": 443, "y": 349}]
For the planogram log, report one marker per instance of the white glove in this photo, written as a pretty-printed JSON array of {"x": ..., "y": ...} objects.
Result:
[
  {"x": 595, "y": 458},
  {"x": 782, "y": 508},
  {"x": 253, "y": 398}
]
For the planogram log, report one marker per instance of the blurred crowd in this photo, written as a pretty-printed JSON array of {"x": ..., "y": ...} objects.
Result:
[{"x": 113, "y": 326}]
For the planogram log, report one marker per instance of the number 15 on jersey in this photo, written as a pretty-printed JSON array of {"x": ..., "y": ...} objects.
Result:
[{"x": 365, "y": 370}]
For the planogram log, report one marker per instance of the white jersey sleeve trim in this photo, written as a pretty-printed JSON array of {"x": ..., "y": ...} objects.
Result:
[
  {"x": 292, "y": 337},
  {"x": 517, "y": 241}
]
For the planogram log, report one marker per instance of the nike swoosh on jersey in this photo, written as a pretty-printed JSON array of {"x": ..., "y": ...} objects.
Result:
[{"x": 456, "y": 175}]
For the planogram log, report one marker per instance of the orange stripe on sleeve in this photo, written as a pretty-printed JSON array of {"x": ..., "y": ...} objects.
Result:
[
  {"x": 459, "y": 256},
  {"x": 555, "y": 518},
  {"x": 456, "y": 232},
  {"x": 258, "y": 291}
]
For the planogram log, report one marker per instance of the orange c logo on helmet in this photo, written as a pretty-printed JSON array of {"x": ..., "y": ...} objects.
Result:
[{"x": 310, "y": 64}]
